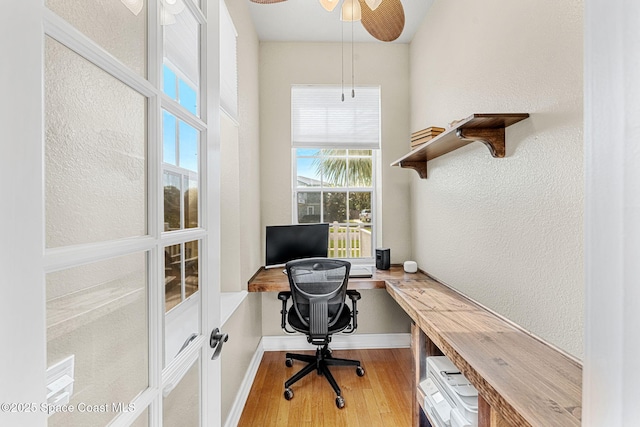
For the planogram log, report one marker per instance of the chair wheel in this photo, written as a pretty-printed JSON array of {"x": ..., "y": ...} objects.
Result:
[
  {"x": 288, "y": 362},
  {"x": 340, "y": 402},
  {"x": 360, "y": 371},
  {"x": 288, "y": 393}
]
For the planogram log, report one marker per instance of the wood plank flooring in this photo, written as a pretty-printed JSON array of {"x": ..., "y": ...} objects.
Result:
[{"x": 382, "y": 397}]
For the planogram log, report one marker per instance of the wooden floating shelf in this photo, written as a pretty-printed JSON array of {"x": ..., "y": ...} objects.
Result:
[{"x": 485, "y": 128}]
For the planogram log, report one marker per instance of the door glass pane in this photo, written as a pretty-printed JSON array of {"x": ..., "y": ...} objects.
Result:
[
  {"x": 172, "y": 197},
  {"x": 97, "y": 313},
  {"x": 180, "y": 153},
  {"x": 95, "y": 156},
  {"x": 188, "y": 98},
  {"x": 181, "y": 58},
  {"x": 169, "y": 138},
  {"x": 172, "y": 276},
  {"x": 191, "y": 272},
  {"x": 191, "y": 202},
  {"x": 309, "y": 207},
  {"x": 169, "y": 82},
  {"x": 118, "y": 26},
  {"x": 182, "y": 299},
  {"x": 181, "y": 408},
  {"x": 175, "y": 262},
  {"x": 188, "y": 137}
]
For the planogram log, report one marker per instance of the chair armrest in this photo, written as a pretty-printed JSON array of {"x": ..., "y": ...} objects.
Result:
[
  {"x": 284, "y": 297},
  {"x": 353, "y": 295}
]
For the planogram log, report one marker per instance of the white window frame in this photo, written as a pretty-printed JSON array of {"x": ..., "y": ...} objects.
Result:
[
  {"x": 354, "y": 128},
  {"x": 374, "y": 189}
]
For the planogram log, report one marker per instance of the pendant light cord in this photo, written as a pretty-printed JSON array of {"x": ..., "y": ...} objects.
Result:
[
  {"x": 353, "y": 85},
  {"x": 353, "y": 90},
  {"x": 342, "y": 58}
]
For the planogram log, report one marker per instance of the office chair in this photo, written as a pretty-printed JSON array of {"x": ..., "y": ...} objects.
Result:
[{"x": 318, "y": 289}]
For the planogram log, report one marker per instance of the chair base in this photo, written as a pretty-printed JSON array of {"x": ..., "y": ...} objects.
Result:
[{"x": 319, "y": 363}]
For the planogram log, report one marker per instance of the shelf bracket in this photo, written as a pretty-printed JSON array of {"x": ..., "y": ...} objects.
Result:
[
  {"x": 493, "y": 138},
  {"x": 420, "y": 167}
]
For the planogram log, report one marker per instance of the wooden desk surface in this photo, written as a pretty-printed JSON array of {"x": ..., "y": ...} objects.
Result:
[
  {"x": 523, "y": 379},
  {"x": 273, "y": 280}
]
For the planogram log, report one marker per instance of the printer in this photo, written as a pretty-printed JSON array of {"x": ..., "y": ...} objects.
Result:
[{"x": 450, "y": 399}]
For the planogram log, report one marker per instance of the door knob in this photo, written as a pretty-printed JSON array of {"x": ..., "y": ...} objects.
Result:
[{"x": 216, "y": 341}]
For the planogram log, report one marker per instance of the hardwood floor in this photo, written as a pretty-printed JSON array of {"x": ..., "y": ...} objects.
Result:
[{"x": 382, "y": 397}]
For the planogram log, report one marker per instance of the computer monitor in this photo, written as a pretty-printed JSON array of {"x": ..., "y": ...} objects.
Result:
[{"x": 288, "y": 242}]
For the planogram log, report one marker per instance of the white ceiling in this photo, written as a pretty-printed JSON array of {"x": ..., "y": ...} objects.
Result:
[{"x": 307, "y": 21}]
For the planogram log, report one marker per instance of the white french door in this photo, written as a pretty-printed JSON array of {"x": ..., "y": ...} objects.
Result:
[{"x": 110, "y": 163}]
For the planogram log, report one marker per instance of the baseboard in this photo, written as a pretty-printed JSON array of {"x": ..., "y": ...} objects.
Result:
[
  {"x": 299, "y": 342},
  {"x": 245, "y": 387}
]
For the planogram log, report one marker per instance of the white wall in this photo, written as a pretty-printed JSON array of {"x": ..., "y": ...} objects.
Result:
[
  {"x": 230, "y": 250},
  {"x": 240, "y": 211},
  {"x": 506, "y": 232},
  {"x": 285, "y": 64}
]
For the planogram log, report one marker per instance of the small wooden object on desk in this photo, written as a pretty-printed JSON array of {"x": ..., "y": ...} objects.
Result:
[{"x": 424, "y": 135}]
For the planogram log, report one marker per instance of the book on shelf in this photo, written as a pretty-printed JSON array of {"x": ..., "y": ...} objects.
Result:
[
  {"x": 433, "y": 130},
  {"x": 420, "y": 141},
  {"x": 424, "y": 135}
]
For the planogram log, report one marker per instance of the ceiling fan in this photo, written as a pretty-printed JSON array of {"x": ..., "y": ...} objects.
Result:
[{"x": 383, "y": 19}]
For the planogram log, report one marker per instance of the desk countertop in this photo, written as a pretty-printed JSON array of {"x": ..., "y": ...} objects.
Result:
[
  {"x": 273, "y": 280},
  {"x": 527, "y": 381}
]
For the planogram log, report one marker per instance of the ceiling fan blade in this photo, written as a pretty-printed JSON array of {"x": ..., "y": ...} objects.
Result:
[
  {"x": 386, "y": 22},
  {"x": 267, "y": 1}
]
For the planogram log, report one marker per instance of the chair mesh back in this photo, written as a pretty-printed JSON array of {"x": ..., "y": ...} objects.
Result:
[{"x": 318, "y": 287}]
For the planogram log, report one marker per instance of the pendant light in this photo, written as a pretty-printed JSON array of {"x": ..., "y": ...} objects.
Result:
[
  {"x": 373, "y": 4},
  {"x": 351, "y": 11},
  {"x": 384, "y": 20},
  {"x": 329, "y": 5}
]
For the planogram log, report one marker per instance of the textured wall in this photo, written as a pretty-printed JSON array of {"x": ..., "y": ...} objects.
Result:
[
  {"x": 285, "y": 64},
  {"x": 507, "y": 232},
  {"x": 95, "y": 191},
  {"x": 95, "y": 161},
  {"x": 110, "y": 24}
]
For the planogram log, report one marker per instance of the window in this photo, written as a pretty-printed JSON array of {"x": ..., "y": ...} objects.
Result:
[{"x": 335, "y": 147}]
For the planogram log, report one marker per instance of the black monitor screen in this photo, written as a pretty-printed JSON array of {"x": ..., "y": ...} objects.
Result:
[{"x": 288, "y": 242}]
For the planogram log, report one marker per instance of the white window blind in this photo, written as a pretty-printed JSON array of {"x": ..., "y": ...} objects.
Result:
[
  {"x": 228, "y": 64},
  {"x": 320, "y": 119}
]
